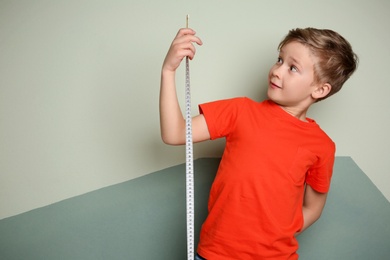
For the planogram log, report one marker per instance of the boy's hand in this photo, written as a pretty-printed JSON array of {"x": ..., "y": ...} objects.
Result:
[
  {"x": 172, "y": 122},
  {"x": 181, "y": 47}
]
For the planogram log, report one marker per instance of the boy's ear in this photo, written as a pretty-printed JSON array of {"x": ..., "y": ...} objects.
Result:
[{"x": 322, "y": 90}]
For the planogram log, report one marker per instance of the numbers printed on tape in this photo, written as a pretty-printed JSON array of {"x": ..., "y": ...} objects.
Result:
[
  {"x": 189, "y": 165},
  {"x": 189, "y": 170}
]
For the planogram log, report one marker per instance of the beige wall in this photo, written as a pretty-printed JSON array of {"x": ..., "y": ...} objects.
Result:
[{"x": 79, "y": 84}]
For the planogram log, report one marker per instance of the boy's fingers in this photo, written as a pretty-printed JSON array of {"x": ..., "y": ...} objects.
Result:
[
  {"x": 188, "y": 39},
  {"x": 187, "y": 34},
  {"x": 184, "y": 31}
]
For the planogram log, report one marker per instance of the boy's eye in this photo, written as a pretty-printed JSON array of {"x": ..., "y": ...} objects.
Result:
[
  {"x": 279, "y": 60},
  {"x": 293, "y": 69}
]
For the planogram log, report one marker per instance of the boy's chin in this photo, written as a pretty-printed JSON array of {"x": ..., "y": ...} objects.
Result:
[{"x": 274, "y": 99}]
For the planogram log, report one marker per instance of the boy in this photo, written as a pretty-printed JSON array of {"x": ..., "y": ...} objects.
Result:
[{"x": 275, "y": 171}]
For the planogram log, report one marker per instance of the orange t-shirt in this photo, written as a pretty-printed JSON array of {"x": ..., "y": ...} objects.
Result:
[{"x": 255, "y": 203}]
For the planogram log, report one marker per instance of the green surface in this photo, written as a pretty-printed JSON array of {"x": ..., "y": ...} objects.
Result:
[{"x": 144, "y": 218}]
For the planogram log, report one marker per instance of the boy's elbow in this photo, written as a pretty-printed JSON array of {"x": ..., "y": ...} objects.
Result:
[
  {"x": 315, "y": 218},
  {"x": 319, "y": 214},
  {"x": 170, "y": 140},
  {"x": 167, "y": 141}
]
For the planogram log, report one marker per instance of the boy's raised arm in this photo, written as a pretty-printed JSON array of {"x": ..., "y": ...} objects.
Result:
[{"x": 172, "y": 122}]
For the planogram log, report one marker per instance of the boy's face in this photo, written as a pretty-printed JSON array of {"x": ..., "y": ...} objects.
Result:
[{"x": 290, "y": 80}]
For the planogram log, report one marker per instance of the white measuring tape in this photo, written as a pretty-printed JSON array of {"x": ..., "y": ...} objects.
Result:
[{"x": 189, "y": 166}]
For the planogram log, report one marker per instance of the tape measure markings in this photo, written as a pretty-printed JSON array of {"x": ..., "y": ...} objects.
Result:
[{"x": 189, "y": 165}]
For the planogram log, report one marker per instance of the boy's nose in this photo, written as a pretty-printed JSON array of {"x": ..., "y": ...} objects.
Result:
[{"x": 275, "y": 71}]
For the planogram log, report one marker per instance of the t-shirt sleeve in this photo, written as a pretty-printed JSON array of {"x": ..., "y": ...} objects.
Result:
[
  {"x": 221, "y": 116},
  {"x": 319, "y": 176}
]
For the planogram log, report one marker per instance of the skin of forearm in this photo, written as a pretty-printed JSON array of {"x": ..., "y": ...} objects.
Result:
[
  {"x": 309, "y": 218},
  {"x": 313, "y": 204},
  {"x": 172, "y": 122}
]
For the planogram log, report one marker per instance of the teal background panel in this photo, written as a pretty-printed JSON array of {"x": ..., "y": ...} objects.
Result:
[
  {"x": 355, "y": 220},
  {"x": 144, "y": 218}
]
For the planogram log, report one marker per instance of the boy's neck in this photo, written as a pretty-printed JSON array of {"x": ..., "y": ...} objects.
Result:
[{"x": 296, "y": 112}]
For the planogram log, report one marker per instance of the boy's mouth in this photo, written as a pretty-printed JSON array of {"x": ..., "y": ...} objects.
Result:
[{"x": 273, "y": 85}]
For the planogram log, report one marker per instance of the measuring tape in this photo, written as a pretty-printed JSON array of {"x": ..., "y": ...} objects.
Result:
[{"x": 189, "y": 165}]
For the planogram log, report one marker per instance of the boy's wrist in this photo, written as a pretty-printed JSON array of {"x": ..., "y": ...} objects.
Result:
[{"x": 167, "y": 72}]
